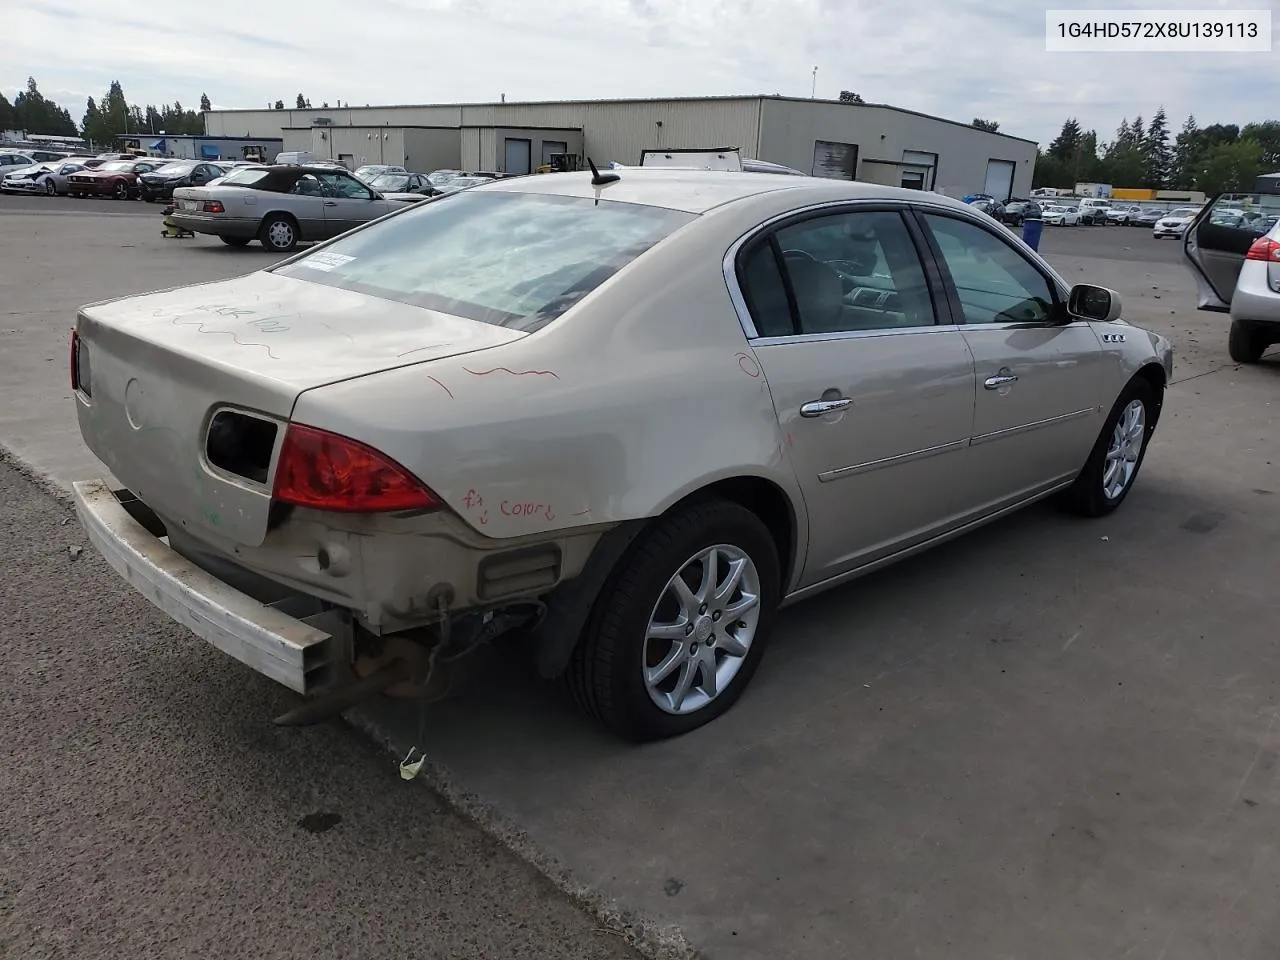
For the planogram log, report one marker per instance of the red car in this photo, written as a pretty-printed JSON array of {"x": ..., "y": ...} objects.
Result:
[{"x": 115, "y": 178}]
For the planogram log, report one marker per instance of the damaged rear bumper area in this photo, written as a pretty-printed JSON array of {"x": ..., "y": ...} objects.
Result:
[{"x": 298, "y": 651}]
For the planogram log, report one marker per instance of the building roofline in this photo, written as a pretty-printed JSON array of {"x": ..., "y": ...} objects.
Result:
[
  {"x": 363, "y": 126},
  {"x": 565, "y": 103},
  {"x": 913, "y": 113},
  {"x": 190, "y": 136}
]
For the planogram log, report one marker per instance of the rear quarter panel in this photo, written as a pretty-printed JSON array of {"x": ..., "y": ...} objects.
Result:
[{"x": 644, "y": 393}]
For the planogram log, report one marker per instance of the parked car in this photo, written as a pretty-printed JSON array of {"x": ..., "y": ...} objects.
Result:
[
  {"x": 1237, "y": 271},
  {"x": 1016, "y": 210},
  {"x": 1062, "y": 216},
  {"x": 9, "y": 159},
  {"x": 990, "y": 206},
  {"x": 1147, "y": 217},
  {"x": 408, "y": 187},
  {"x": 464, "y": 183},
  {"x": 115, "y": 178},
  {"x": 371, "y": 170},
  {"x": 439, "y": 178},
  {"x": 1122, "y": 215},
  {"x": 471, "y": 413},
  {"x": 49, "y": 178},
  {"x": 160, "y": 183},
  {"x": 279, "y": 206},
  {"x": 1174, "y": 223}
]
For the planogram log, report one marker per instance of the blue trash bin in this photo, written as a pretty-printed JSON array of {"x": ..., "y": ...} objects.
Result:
[{"x": 1031, "y": 230}]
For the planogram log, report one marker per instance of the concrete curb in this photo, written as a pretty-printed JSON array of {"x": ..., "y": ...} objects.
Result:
[{"x": 654, "y": 940}]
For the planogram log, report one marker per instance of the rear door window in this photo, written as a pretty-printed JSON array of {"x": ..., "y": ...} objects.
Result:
[{"x": 512, "y": 259}]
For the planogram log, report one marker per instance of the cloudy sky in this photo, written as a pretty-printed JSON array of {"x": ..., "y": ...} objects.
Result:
[{"x": 953, "y": 58}]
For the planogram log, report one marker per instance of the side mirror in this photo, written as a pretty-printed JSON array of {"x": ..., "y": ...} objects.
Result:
[{"x": 1094, "y": 303}]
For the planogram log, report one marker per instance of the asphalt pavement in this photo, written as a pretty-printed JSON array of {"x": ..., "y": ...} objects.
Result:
[
  {"x": 1052, "y": 738},
  {"x": 150, "y": 808}
]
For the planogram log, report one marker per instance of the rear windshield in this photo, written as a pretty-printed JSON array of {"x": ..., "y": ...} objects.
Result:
[
  {"x": 511, "y": 259},
  {"x": 244, "y": 176},
  {"x": 177, "y": 169}
]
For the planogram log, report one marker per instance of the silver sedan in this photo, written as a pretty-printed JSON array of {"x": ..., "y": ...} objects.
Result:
[
  {"x": 635, "y": 413},
  {"x": 280, "y": 206},
  {"x": 50, "y": 177}
]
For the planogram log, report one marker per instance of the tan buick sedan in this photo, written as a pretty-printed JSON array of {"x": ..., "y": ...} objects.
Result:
[{"x": 625, "y": 417}]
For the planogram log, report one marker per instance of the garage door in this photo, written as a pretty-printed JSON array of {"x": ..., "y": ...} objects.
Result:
[
  {"x": 999, "y": 179},
  {"x": 552, "y": 147},
  {"x": 518, "y": 156}
]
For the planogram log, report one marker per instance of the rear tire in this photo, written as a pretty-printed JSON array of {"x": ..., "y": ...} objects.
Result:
[
  {"x": 50, "y": 188},
  {"x": 1096, "y": 491},
  {"x": 235, "y": 241},
  {"x": 640, "y": 623},
  {"x": 121, "y": 191},
  {"x": 1244, "y": 345},
  {"x": 278, "y": 233}
]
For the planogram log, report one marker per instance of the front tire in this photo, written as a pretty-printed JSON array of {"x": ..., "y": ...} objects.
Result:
[
  {"x": 1244, "y": 345},
  {"x": 681, "y": 624},
  {"x": 278, "y": 233},
  {"x": 50, "y": 188},
  {"x": 1117, "y": 455},
  {"x": 121, "y": 191}
]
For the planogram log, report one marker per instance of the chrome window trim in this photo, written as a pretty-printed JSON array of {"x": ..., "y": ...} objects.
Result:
[{"x": 728, "y": 268}]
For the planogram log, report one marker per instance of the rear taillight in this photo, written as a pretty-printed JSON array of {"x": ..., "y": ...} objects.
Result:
[
  {"x": 325, "y": 471},
  {"x": 81, "y": 378},
  {"x": 213, "y": 206},
  {"x": 1264, "y": 248}
]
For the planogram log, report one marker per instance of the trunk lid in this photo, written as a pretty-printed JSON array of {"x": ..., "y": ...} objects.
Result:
[{"x": 163, "y": 367}]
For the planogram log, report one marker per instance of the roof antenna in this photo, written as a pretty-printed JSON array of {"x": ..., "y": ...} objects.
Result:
[{"x": 599, "y": 179}]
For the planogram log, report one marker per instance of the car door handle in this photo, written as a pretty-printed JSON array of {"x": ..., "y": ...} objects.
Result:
[
  {"x": 999, "y": 380},
  {"x": 820, "y": 408},
  {"x": 330, "y": 203}
]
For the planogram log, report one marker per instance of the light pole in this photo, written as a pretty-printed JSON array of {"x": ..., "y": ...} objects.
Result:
[{"x": 813, "y": 92}]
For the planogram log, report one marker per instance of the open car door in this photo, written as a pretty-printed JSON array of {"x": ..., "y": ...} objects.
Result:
[{"x": 1216, "y": 241}]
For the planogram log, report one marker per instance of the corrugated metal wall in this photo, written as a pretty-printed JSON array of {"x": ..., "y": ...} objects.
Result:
[
  {"x": 791, "y": 128},
  {"x": 469, "y": 155},
  {"x": 427, "y": 150},
  {"x": 612, "y": 130},
  {"x": 783, "y": 131}
]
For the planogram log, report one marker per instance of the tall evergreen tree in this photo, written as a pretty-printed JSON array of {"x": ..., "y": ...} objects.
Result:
[
  {"x": 1185, "y": 145},
  {"x": 1066, "y": 144},
  {"x": 1156, "y": 148}
]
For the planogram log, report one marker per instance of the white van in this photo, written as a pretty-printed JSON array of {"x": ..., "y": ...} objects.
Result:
[{"x": 295, "y": 158}]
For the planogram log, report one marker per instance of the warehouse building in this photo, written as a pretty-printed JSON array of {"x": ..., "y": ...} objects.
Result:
[
  {"x": 870, "y": 142},
  {"x": 195, "y": 147}
]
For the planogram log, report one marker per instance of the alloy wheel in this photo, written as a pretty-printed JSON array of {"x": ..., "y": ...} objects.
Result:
[
  {"x": 701, "y": 629},
  {"x": 280, "y": 234},
  {"x": 1125, "y": 449}
]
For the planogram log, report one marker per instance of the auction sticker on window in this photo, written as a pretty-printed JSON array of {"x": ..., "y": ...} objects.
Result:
[{"x": 325, "y": 261}]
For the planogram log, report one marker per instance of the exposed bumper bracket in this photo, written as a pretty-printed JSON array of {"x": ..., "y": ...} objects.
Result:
[{"x": 295, "y": 652}]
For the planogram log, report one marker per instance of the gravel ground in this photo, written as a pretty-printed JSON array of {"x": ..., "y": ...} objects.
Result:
[{"x": 151, "y": 809}]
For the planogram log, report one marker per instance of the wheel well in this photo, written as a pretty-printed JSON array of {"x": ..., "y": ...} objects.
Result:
[
  {"x": 283, "y": 214},
  {"x": 767, "y": 501},
  {"x": 1153, "y": 374}
]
